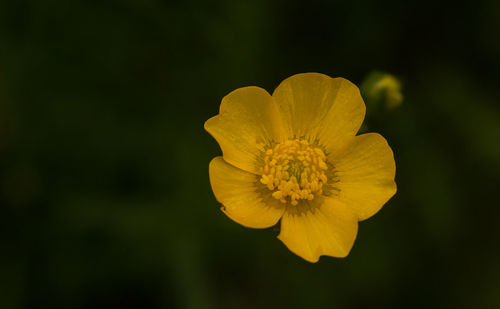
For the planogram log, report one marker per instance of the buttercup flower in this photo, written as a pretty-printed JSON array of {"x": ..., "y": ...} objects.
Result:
[{"x": 293, "y": 157}]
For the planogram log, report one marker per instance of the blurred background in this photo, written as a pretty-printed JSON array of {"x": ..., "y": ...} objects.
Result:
[{"x": 104, "y": 194}]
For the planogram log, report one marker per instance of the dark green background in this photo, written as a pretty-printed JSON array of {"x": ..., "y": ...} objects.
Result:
[{"x": 104, "y": 191}]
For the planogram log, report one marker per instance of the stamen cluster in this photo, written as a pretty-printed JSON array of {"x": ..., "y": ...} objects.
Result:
[{"x": 294, "y": 170}]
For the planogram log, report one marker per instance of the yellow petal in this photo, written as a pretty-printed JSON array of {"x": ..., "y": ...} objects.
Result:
[
  {"x": 248, "y": 120},
  {"x": 311, "y": 231},
  {"x": 365, "y": 169},
  {"x": 318, "y": 107},
  {"x": 243, "y": 196}
]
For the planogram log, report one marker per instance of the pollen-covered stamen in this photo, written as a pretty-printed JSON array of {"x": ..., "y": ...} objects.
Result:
[{"x": 294, "y": 171}]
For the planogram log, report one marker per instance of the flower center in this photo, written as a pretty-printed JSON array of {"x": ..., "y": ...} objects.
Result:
[{"x": 294, "y": 171}]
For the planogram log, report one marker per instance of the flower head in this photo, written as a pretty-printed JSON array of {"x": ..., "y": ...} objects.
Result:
[{"x": 293, "y": 157}]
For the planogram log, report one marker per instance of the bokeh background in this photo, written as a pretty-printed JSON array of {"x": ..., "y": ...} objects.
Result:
[{"x": 105, "y": 200}]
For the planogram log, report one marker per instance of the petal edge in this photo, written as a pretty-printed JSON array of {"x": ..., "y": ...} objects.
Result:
[
  {"x": 238, "y": 192},
  {"x": 312, "y": 231},
  {"x": 366, "y": 169},
  {"x": 247, "y": 121},
  {"x": 318, "y": 107}
]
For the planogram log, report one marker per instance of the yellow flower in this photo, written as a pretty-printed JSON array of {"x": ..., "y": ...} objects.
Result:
[{"x": 295, "y": 157}]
